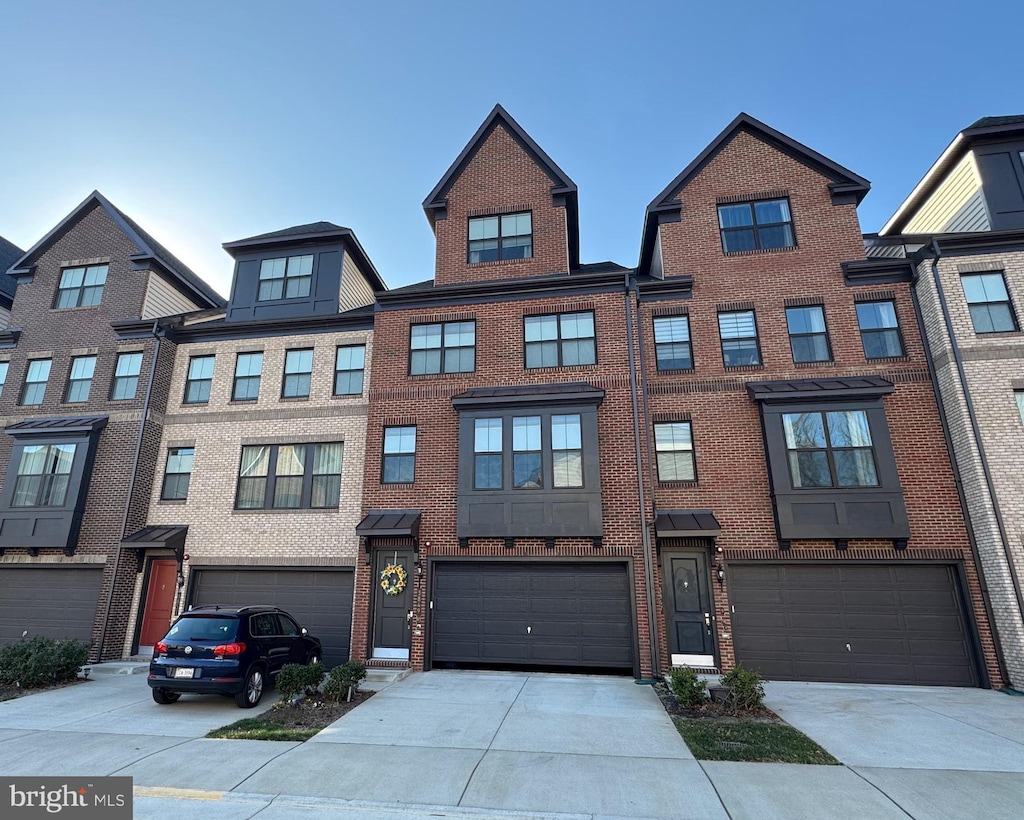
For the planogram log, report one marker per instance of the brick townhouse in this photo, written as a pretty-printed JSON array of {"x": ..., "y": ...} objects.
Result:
[
  {"x": 962, "y": 231},
  {"x": 84, "y": 368}
]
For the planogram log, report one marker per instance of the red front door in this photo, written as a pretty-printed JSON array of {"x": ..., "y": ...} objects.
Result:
[{"x": 163, "y": 580}]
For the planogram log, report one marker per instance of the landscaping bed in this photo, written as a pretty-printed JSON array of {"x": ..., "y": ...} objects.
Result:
[
  {"x": 8, "y": 692},
  {"x": 284, "y": 721}
]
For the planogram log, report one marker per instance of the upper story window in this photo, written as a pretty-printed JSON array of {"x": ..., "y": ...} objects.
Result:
[
  {"x": 879, "y": 329},
  {"x": 739, "y": 338},
  {"x": 43, "y": 475},
  {"x": 81, "y": 287},
  {"x": 349, "y": 362},
  {"x": 508, "y": 236},
  {"x": 289, "y": 476},
  {"x": 988, "y": 302},
  {"x": 35, "y": 382},
  {"x": 750, "y": 226},
  {"x": 448, "y": 347},
  {"x": 298, "y": 371},
  {"x": 126, "y": 376},
  {"x": 830, "y": 449},
  {"x": 560, "y": 340},
  {"x": 672, "y": 343},
  {"x": 561, "y": 448},
  {"x": 248, "y": 371},
  {"x": 285, "y": 278},
  {"x": 177, "y": 473},
  {"x": 199, "y": 379},
  {"x": 673, "y": 445},
  {"x": 566, "y": 451},
  {"x": 488, "y": 467},
  {"x": 1019, "y": 396},
  {"x": 399, "y": 466},
  {"x": 526, "y": 453},
  {"x": 4, "y": 366},
  {"x": 808, "y": 337},
  {"x": 80, "y": 378}
]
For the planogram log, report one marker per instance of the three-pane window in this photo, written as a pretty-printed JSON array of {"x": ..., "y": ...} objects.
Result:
[
  {"x": 879, "y": 329},
  {"x": 673, "y": 446},
  {"x": 80, "y": 378},
  {"x": 448, "y": 347},
  {"x": 988, "y": 302},
  {"x": 399, "y": 465},
  {"x": 248, "y": 372},
  {"x": 672, "y": 343},
  {"x": 81, "y": 287},
  {"x": 177, "y": 473},
  {"x": 739, "y": 338},
  {"x": 289, "y": 476},
  {"x": 508, "y": 236},
  {"x": 830, "y": 449},
  {"x": 808, "y": 337},
  {"x": 199, "y": 379},
  {"x": 35, "y": 382},
  {"x": 749, "y": 226},
  {"x": 43, "y": 475},
  {"x": 285, "y": 278},
  {"x": 126, "y": 376},
  {"x": 298, "y": 370},
  {"x": 349, "y": 363},
  {"x": 560, "y": 340}
]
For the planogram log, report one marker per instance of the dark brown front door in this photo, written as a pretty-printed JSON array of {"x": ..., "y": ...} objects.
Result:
[
  {"x": 392, "y": 624},
  {"x": 156, "y": 618},
  {"x": 688, "y": 608}
]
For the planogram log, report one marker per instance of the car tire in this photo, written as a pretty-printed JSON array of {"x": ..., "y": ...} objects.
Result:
[
  {"x": 163, "y": 696},
  {"x": 252, "y": 691}
]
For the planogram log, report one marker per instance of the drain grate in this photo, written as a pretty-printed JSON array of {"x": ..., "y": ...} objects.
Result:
[{"x": 731, "y": 744}]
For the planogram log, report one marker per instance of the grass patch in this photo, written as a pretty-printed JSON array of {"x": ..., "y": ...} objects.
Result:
[
  {"x": 757, "y": 741},
  {"x": 261, "y": 728},
  {"x": 283, "y": 721}
]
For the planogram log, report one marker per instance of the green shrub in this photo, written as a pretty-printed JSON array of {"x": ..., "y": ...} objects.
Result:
[
  {"x": 40, "y": 661},
  {"x": 688, "y": 689},
  {"x": 746, "y": 689},
  {"x": 296, "y": 679},
  {"x": 341, "y": 678}
]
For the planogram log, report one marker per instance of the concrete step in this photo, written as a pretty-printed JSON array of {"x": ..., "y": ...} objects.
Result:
[
  {"x": 118, "y": 668},
  {"x": 385, "y": 675}
]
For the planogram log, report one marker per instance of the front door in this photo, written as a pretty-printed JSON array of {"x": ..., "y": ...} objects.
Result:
[
  {"x": 156, "y": 617},
  {"x": 688, "y": 609},
  {"x": 392, "y": 608}
]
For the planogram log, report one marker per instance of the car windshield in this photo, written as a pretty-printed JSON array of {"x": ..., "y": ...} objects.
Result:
[{"x": 204, "y": 628}]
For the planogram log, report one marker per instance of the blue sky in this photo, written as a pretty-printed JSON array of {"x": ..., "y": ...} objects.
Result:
[{"x": 209, "y": 122}]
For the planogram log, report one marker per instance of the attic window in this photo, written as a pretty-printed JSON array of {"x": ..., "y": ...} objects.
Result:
[
  {"x": 285, "y": 278},
  {"x": 81, "y": 287},
  {"x": 752, "y": 226},
  {"x": 494, "y": 238}
]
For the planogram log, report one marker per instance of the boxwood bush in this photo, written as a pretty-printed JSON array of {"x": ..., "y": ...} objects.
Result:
[
  {"x": 40, "y": 661},
  {"x": 341, "y": 678},
  {"x": 296, "y": 679}
]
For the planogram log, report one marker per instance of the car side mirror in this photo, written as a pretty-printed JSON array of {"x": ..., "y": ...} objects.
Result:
[{"x": 305, "y": 631}]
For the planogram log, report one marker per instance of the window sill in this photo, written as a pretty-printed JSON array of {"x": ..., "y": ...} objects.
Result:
[
  {"x": 286, "y": 510},
  {"x": 242, "y": 401},
  {"x": 194, "y": 403},
  {"x": 988, "y": 334},
  {"x": 342, "y": 396},
  {"x": 171, "y": 502},
  {"x": 678, "y": 484},
  {"x": 294, "y": 398},
  {"x": 562, "y": 367},
  {"x": 397, "y": 484},
  {"x": 822, "y": 363},
  {"x": 904, "y": 358},
  {"x": 760, "y": 251},
  {"x": 457, "y": 374},
  {"x": 733, "y": 368},
  {"x": 497, "y": 262},
  {"x": 77, "y": 307},
  {"x": 675, "y": 369}
]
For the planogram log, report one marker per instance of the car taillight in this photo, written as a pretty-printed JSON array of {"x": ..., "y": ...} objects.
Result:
[
  {"x": 228, "y": 649},
  {"x": 160, "y": 648}
]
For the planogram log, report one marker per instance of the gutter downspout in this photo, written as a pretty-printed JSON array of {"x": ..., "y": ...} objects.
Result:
[
  {"x": 131, "y": 489},
  {"x": 629, "y": 285},
  {"x": 975, "y": 430}
]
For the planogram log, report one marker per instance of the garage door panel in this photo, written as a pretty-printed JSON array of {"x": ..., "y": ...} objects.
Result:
[
  {"x": 496, "y": 606},
  {"x": 54, "y": 602},
  {"x": 495, "y": 652},
  {"x": 568, "y": 607}
]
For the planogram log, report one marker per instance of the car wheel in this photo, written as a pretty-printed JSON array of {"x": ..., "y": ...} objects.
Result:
[
  {"x": 163, "y": 697},
  {"x": 252, "y": 692}
]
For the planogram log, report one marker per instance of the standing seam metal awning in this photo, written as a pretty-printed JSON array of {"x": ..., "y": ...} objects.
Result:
[
  {"x": 384, "y": 523},
  {"x": 686, "y": 524},
  {"x": 167, "y": 537}
]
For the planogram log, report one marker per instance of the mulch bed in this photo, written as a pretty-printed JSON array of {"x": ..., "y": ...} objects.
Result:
[
  {"x": 312, "y": 713},
  {"x": 11, "y": 692},
  {"x": 713, "y": 711}
]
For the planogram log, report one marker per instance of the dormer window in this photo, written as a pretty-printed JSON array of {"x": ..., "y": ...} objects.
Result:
[
  {"x": 285, "y": 278},
  {"x": 495, "y": 238}
]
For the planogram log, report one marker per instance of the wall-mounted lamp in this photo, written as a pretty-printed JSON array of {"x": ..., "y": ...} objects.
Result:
[{"x": 721, "y": 574}]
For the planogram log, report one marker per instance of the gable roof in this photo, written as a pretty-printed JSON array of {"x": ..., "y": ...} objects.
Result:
[
  {"x": 149, "y": 251},
  {"x": 9, "y": 254},
  {"x": 563, "y": 189},
  {"x": 845, "y": 185}
]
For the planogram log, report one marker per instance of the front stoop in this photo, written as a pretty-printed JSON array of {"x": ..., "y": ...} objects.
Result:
[{"x": 386, "y": 671}]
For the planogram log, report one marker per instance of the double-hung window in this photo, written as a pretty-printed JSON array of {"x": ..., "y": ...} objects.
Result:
[
  {"x": 248, "y": 372},
  {"x": 43, "y": 475},
  {"x": 177, "y": 473},
  {"x": 673, "y": 445},
  {"x": 750, "y": 226},
  {"x": 289, "y": 476},
  {"x": 1019, "y": 396},
  {"x": 879, "y": 329},
  {"x": 298, "y": 372},
  {"x": 81, "y": 287},
  {"x": 36, "y": 376},
  {"x": 285, "y": 278},
  {"x": 808, "y": 337},
  {"x": 560, "y": 340},
  {"x": 566, "y": 451},
  {"x": 488, "y": 464},
  {"x": 830, "y": 449},
  {"x": 988, "y": 302},
  {"x": 4, "y": 366},
  {"x": 349, "y": 362},
  {"x": 199, "y": 379},
  {"x": 508, "y": 236},
  {"x": 672, "y": 343},
  {"x": 738, "y": 330},
  {"x": 399, "y": 462},
  {"x": 80, "y": 379},
  {"x": 445, "y": 347},
  {"x": 126, "y": 376}
]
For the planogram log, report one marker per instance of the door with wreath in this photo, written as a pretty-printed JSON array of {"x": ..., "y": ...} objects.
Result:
[{"x": 392, "y": 609}]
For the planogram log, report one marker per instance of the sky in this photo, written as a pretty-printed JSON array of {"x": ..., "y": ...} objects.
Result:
[{"x": 207, "y": 122}]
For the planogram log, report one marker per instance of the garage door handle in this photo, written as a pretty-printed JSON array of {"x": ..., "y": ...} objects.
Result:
[
  {"x": 848, "y": 648},
  {"x": 529, "y": 629}
]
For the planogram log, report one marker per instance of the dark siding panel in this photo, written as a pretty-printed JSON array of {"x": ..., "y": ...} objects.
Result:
[{"x": 54, "y": 602}]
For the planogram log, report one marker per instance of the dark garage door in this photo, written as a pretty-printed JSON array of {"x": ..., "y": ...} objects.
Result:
[
  {"x": 852, "y": 623},
  {"x": 520, "y": 614},
  {"x": 57, "y": 602},
  {"x": 321, "y": 600}
]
